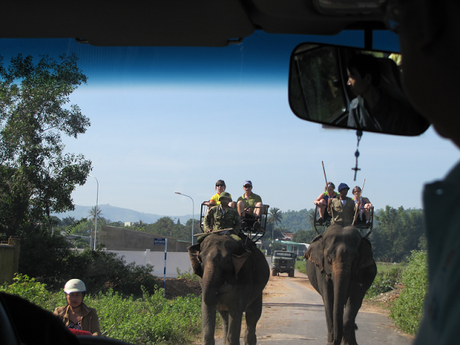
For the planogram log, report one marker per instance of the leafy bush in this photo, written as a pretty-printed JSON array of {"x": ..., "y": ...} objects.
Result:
[
  {"x": 102, "y": 271},
  {"x": 189, "y": 275},
  {"x": 384, "y": 281},
  {"x": 151, "y": 319},
  {"x": 31, "y": 290},
  {"x": 407, "y": 311},
  {"x": 42, "y": 257}
]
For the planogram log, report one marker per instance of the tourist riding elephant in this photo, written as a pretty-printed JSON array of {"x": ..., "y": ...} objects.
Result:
[
  {"x": 341, "y": 267},
  {"x": 232, "y": 282}
]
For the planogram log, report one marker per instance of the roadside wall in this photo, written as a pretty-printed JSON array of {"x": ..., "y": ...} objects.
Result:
[
  {"x": 174, "y": 261},
  {"x": 9, "y": 259},
  {"x": 115, "y": 238}
]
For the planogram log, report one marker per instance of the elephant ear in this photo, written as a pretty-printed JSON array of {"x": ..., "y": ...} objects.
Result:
[
  {"x": 238, "y": 261},
  {"x": 366, "y": 258},
  {"x": 314, "y": 252},
  {"x": 193, "y": 252}
]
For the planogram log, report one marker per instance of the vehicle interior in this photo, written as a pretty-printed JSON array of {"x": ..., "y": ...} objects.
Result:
[
  {"x": 186, "y": 23},
  {"x": 321, "y": 29}
]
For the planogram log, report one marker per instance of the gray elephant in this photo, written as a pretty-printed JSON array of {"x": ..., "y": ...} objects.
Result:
[
  {"x": 232, "y": 282},
  {"x": 341, "y": 267}
]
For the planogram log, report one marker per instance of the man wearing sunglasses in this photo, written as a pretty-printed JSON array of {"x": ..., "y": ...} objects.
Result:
[
  {"x": 429, "y": 36},
  {"x": 249, "y": 205}
]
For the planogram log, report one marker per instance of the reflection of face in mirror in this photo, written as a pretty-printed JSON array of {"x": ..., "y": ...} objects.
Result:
[
  {"x": 361, "y": 86},
  {"x": 379, "y": 104},
  {"x": 351, "y": 88}
]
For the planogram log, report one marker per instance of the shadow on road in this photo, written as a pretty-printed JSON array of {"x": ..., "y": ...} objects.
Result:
[{"x": 295, "y": 305}]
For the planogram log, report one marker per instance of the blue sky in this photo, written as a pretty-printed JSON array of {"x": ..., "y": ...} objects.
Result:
[{"x": 175, "y": 119}]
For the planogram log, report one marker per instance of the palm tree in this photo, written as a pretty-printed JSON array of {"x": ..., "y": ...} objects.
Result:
[
  {"x": 274, "y": 218},
  {"x": 93, "y": 212}
]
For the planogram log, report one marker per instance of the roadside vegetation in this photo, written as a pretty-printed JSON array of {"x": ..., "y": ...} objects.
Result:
[
  {"x": 388, "y": 278},
  {"x": 410, "y": 281},
  {"x": 149, "y": 319},
  {"x": 407, "y": 311},
  {"x": 99, "y": 270}
]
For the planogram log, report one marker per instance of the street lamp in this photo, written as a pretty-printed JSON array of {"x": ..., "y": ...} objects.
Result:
[
  {"x": 95, "y": 211},
  {"x": 193, "y": 210}
]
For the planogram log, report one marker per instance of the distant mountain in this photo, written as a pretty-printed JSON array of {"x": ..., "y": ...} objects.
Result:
[{"x": 116, "y": 214}]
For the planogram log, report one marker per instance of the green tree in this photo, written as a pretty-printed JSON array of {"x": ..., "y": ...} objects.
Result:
[
  {"x": 397, "y": 233},
  {"x": 38, "y": 177},
  {"x": 164, "y": 226},
  {"x": 304, "y": 236},
  {"x": 275, "y": 216},
  {"x": 68, "y": 221},
  {"x": 93, "y": 211},
  {"x": 294, "y": 220},
  {"x": 14, "y": 200},
  {"x": 311, "y": 218}
]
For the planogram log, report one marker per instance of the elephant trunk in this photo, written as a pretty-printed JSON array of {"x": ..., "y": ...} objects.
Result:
[
  {"x": 208, "y": 316},
  {"x": 211, "y": 283},
  {"x": 209, "y": 299},
  {"x": 341, "y": 278}
]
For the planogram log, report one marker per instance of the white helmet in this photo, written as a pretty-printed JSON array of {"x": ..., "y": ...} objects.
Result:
[{"x": 74, "y": 285}]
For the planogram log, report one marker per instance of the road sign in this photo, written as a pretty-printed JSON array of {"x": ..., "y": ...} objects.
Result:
[{"x": 159, "y": 241}]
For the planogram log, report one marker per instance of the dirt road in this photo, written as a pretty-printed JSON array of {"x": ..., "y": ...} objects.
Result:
[{"x": 293, "y": 314}]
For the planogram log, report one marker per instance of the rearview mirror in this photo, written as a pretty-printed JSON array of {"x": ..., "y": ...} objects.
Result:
[{"x": 351, "y": 88}]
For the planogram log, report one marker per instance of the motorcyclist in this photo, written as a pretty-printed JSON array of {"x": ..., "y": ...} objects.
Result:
[{"x": 76, "y": 315}]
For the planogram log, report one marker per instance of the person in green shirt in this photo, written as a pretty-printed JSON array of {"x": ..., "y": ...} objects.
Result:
[
  {"x": 249, "y": 204},
  {"x": 222, "y": 217}
]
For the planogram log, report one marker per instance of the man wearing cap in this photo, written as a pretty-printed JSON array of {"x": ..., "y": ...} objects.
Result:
[
  {"x": 222, "y": 216},
  {"x": 342, "y": 208},
  {"x": 249, "y": 203}
]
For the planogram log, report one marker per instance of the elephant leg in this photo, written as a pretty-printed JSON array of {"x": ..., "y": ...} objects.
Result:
[
  {"x": 224, "y": 315},
  {"x": 234, "y": 328},
  {"x": 358, "y": 290},
  {"x": 320, "y": 283},
  {"x": 349, "y": 325},
  {"x": 253, "y": 313},
  {"x": 208, "y": 315},
  {"x": 328, "y": 300}
]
